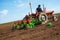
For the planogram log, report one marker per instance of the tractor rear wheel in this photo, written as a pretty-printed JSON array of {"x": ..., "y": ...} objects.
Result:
[{"x": 43, "y": 17}]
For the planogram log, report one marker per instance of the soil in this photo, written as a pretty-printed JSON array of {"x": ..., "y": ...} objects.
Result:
[{"x": 40, "y": 32}]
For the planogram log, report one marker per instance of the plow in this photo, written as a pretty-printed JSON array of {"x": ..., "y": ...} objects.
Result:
[{"x": 33, "y": 19}]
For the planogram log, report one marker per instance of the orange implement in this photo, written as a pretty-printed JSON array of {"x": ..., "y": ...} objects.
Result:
[{"x": 29, "y": 20}]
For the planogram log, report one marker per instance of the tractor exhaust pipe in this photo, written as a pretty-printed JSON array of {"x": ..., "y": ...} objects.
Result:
[
  {"x": 30, "y": 7},
  {"x": 44, "y": 8}
]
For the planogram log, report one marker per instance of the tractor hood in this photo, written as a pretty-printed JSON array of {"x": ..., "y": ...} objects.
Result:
[{"x": 48, "y": 11}]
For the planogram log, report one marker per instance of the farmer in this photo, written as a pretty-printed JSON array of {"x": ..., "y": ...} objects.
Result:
[{"x": 38, "y": 10}]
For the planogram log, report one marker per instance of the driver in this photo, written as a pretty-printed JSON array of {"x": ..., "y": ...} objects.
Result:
[{"x": 38, "y": 9}]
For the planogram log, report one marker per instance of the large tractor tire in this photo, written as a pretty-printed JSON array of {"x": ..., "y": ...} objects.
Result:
[
  {"x": 55, "y": 18},
  {"x": 43, "y": 17}
]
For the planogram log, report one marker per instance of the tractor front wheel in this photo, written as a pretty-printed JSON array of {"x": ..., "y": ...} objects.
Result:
[{"x": 55, "y": 18}]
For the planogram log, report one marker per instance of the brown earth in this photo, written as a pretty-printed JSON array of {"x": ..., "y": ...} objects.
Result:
[{"x": 40, "y": 32}]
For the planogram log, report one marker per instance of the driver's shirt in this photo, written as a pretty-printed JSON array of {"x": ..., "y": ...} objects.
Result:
[{"x": 39, "y": 10}]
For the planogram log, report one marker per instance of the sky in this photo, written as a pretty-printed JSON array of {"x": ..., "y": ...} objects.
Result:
[{"x": 12, "y": 10}]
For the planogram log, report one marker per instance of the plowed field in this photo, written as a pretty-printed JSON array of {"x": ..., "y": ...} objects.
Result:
[{"x": 40, "y": 32}]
